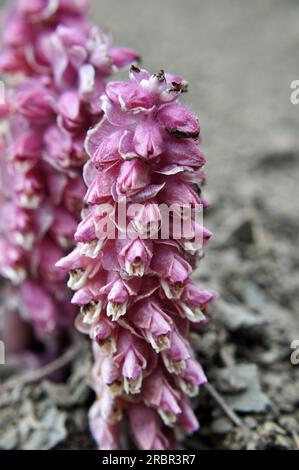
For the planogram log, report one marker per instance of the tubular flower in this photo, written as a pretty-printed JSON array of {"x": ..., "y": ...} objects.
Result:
[
  {"x": 137, "y": 302},
  {"x": 62, "y": 63}
]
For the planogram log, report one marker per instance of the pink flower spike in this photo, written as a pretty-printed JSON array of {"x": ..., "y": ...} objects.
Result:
[
  {"x": 137, "y": 302},
  {"x": 60, "y": 64}
]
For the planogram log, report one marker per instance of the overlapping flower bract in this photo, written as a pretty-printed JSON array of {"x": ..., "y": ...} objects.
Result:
[
  {"x": 57, "y": 63},
  {"x": 136, "y": 297},
  {"x": 31, "y": 47}
]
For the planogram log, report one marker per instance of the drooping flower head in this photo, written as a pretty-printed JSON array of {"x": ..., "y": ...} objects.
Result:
[{"x": 131, "y": 267}]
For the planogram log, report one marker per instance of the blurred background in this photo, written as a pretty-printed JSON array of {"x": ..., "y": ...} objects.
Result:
[{"x": 239, "y": 58}]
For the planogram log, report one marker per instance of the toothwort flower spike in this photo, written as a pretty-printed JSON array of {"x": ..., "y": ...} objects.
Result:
[
  {"x": 57, "y": 64},
  {"x": 134, "y": 290}
]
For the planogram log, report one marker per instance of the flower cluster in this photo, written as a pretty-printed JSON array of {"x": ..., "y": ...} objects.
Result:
[
  {"x": 57, "y": 63},
  {"x": 137, "y": 302}
]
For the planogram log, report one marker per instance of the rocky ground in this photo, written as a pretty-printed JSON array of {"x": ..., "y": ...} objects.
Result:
[{"x": 239, "y": 58}]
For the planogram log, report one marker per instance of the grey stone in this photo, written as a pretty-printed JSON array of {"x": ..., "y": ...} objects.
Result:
[{"x": 236, "y": 317}]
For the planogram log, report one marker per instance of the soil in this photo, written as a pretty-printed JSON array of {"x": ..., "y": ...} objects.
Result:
[{"x": 240, "y": 58}]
